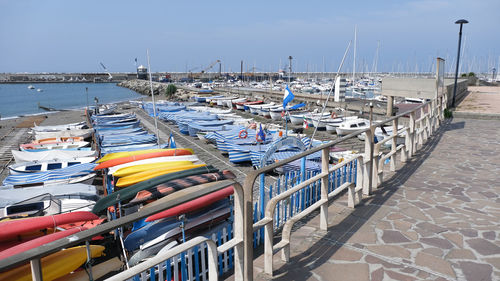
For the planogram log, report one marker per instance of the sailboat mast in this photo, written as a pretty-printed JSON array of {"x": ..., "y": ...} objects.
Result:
[
  {"x": 154, "y": 104},
  {"x": 354, "y": 57},
  {"x": 375, "y": 60}
]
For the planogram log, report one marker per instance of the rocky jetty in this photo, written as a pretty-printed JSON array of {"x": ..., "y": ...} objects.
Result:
[{"x": 142, "y": 87}]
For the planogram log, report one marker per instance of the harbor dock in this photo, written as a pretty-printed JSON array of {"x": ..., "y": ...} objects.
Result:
[{"x": 433, "y": 217}]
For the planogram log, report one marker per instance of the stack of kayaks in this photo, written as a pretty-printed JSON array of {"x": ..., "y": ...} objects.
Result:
[{"x": 137, "y": 174}]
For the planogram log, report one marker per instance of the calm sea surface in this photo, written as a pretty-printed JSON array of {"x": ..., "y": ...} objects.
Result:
[{"x": 17, "y": 99}]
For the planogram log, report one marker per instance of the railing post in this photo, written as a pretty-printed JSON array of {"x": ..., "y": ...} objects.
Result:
[
  {"x": 268, "y": 248},
  {"x": 325, "y": 157},
  {"x": 238, "y": 231},
  {"x": 248, "y": 230},
  {"x": 412, "y": 143},
  {"x": 423, "y": 134},
  {"x": 394, "y": 144},
  {"x": 368, "y": 162},
  {"x": 376, "y": 166},
  {"x": 359, "y": 176},
  {"x": 433, "y": 118},
  {"x": 36, "y": 270}
]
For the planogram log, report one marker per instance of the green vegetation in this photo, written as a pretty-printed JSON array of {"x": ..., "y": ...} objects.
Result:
[
  {"x": 447, "y": 113},
  {"x": 472, "y": 74},
  {"x": 170, "y": 91}
]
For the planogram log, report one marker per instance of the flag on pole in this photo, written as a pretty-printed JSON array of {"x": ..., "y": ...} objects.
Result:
[
  {"x": 261, "y": 136},
  {"x": 306, "y": 125},
  {"x": 288, "y": 97},
  {"x": 171, "y": 141}
]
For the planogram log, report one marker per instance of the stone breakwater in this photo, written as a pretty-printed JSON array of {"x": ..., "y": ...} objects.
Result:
[{"x": 142, "y": 87}]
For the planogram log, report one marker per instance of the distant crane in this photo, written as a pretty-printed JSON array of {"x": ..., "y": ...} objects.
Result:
[
  {"x": 110, "y": 77},
  {"x": 210, "y": 66}
]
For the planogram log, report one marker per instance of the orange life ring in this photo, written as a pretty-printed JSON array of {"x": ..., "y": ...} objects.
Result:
[{"x": 243, "y": 134}]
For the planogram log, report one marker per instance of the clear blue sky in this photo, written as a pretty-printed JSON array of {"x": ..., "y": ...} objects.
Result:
[{"x": 74, "y": 36}]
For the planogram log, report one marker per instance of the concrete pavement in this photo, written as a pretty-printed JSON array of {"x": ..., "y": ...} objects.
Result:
[{"x": 437, "y": 218}]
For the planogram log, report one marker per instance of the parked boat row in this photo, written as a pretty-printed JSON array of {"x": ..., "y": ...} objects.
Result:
[{"x": 137, "y": 173}]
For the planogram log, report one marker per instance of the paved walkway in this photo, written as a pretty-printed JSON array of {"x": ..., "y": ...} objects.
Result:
[
  {"x": 481, "y": 102},
  {"x": 438, "y": 218}
]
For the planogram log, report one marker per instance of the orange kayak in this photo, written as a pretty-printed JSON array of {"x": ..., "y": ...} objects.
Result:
[
  {"x": 54, "y": 140},
  {"x": 142, "y": 176},
  {"x": 147, "y": 155}
]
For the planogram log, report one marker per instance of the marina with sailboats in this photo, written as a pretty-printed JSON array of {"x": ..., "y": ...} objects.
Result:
[{"x": 192, "y": 141}]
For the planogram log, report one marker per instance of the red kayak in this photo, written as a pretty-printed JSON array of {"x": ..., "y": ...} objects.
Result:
[
  {"x": 13, "y": 228},
  {"x": 249, "y": 102},
  {"x": 38, "y": 242},
  {"x": 193, "y": 205}
]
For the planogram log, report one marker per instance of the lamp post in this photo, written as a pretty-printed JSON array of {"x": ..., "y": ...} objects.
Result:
[
  {"x": 87, "y": 92},
  {"x": 461, "y": 22}
]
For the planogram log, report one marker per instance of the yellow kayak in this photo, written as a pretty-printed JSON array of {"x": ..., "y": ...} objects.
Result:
[
  {"x": 55, "y": 265},
  {"x": 115, "y": 155},
  {"x": 127, "y": 171},
  {"x": 146, "y": 175},
  {"x": 98, "y": 271}
]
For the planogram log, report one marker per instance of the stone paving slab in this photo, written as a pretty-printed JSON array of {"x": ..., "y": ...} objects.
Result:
[
  {"x": 482, "y": 102},
  {"x": 437, "y": 218}
]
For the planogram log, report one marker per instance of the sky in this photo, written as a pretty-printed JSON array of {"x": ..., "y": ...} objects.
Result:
[{"x": 76, "y": 36}]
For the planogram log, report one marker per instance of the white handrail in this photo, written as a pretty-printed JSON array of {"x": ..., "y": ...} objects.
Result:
[{"x": 141, "y": 267}]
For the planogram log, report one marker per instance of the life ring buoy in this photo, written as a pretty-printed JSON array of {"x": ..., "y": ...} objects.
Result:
[{"x": 243, "y": 134}]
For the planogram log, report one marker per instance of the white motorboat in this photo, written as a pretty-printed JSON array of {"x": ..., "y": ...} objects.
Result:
[
  {"x": 266, "y": 111},
  {"x": 351, "y": 126},
  {"x": 331, "y": 124},
  {"x": 41, "y": 166},
  {"x": 57, "y": 145},
  {"x": 10, "y": 195},
  {"x": 387, "y": 131},
  {"x": 85, "y": 133},
  {"x": 255, "y": 109},
  {"x": 297, "y": 119},
  {"x": 311, "y": 117},
  {"x": 31, "y": 87},
  {"x": 70, "y": 126},
  {"x": 231, "y": 103},
  {"x": 30, "y": 156}
]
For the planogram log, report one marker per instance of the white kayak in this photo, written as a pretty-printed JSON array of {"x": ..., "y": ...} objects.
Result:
[
  {"x": 193, "y": 158},
  {"x": 30, "y": 156}
]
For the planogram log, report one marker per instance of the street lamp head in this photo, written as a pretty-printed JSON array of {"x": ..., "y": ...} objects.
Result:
[{"x": 462, "y": 21}]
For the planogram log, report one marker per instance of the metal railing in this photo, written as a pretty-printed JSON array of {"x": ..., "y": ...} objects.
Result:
[
  {"x": 34, "y": 256},
  {"x": 369, "y": 175}
]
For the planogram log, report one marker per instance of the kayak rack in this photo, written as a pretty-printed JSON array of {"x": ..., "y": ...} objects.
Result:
[{"x": 34, "y": 256}]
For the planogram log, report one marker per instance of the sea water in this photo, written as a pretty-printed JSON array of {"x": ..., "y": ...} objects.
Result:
[{"x": 17, "y": 100}]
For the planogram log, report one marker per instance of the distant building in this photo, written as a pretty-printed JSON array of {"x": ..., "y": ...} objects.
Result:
[{"x": 142, "y": 72}]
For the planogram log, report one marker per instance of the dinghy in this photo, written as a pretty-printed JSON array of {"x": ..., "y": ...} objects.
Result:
[
  {"x": 42, "y": 166},
  {"x": 29, "y": 156}
]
